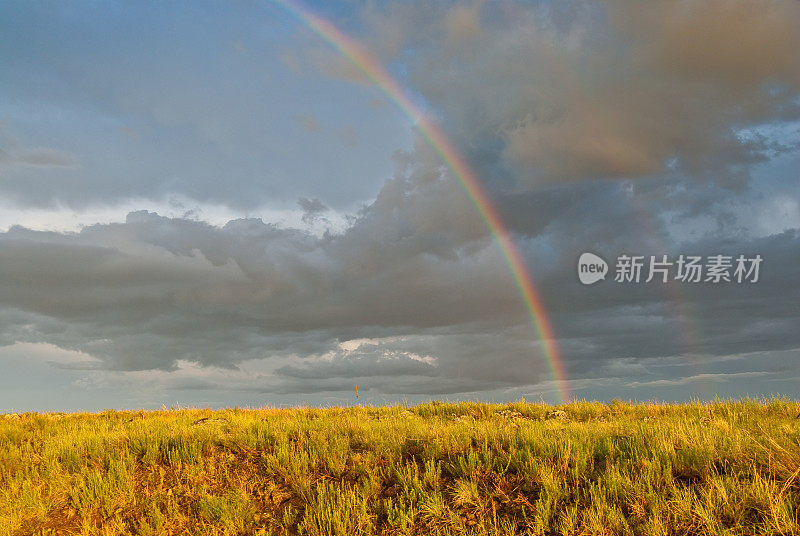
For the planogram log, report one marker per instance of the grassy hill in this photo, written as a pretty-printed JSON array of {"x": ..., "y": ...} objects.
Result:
[{"x": 468, "y": 468}]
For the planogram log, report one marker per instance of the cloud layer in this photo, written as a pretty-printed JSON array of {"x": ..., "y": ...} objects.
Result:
[
  {"x": 605, "y": 127},
  {"x": 577, "y": 91}
]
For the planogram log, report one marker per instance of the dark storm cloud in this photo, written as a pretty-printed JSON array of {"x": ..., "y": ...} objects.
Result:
[
  {"x": 576, "y": 90},
  {"x": 176, "y": 289}
]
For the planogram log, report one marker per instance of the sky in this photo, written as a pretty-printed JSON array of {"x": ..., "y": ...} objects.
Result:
[{"x": 208, "y": 204}]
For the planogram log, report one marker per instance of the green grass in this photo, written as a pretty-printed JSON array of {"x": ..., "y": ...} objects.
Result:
[{"x": 468, "y": 468}]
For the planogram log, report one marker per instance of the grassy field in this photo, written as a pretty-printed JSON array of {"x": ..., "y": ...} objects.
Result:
[{"x": 467, "y": 468}]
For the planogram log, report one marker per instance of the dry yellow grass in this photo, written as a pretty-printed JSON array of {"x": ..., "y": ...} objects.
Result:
[{"x": 468, "y": 468}]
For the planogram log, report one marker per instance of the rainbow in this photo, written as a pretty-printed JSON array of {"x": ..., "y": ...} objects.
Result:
[{"x": 370, "y": 67}]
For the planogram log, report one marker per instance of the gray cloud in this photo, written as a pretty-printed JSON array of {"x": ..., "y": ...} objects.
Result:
[
  {"x": 176, "y": 289},
  {"x": 575, "y": 90},
  {"x": 312, "y": 208}
]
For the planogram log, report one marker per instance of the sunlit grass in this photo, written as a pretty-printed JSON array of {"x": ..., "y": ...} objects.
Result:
[{"x": 467, "y": 468}]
